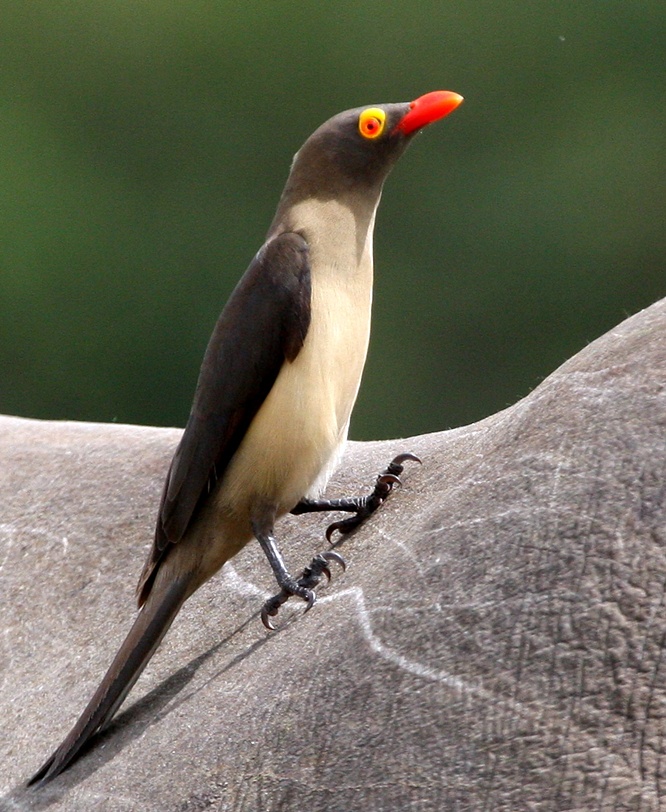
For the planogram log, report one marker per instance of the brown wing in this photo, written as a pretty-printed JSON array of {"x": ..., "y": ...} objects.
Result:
[{"x": 263, "y": 324}]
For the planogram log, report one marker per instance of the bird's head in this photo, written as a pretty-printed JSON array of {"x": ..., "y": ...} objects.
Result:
[{"x": 354, "y": 151}]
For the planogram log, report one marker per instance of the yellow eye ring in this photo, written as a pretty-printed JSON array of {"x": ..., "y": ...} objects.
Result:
[{"x": 371, "y": 122}]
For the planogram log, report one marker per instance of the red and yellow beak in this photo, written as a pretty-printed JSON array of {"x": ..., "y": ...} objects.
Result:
[{"x": 428, "y": 108}]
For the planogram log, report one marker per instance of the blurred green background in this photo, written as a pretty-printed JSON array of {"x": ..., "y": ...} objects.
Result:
[{"x": 144, "y": 145}]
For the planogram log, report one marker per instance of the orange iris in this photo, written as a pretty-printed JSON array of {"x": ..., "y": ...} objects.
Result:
[{"x": 371, "y": 122}]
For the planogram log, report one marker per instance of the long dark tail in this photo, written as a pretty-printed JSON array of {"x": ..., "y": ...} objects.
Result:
[{"x": 144, "y": 637}]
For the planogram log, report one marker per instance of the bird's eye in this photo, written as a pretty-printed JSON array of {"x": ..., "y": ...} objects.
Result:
[{"x": 371, "y": 122}]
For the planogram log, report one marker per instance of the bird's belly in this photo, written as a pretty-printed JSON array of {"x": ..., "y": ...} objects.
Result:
[{"x": 298, "y": 434}]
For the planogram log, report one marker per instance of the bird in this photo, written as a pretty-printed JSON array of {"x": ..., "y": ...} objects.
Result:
[{"x": 272, "y": 405}]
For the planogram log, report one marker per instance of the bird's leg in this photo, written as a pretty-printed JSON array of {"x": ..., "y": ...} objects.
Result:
[
  {"x": 361, "y": 506},
  {"x": 304, "y": 586}
]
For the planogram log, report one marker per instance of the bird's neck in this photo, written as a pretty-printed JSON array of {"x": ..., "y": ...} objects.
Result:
[{"x": 338, "y": 231}]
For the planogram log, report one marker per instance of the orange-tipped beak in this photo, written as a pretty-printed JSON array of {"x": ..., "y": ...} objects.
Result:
[{"x": 428, "y": 108}]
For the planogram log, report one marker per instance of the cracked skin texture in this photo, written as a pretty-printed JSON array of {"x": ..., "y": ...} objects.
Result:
[{"x": 497, "y": 642}]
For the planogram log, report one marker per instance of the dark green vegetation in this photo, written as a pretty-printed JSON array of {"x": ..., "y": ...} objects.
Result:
[{"x": 144, "y": 144}]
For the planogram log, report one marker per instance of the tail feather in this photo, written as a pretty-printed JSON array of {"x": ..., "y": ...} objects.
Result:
[{"x": 144, "y": 637}]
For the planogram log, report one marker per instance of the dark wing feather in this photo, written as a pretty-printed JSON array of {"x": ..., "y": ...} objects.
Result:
[{"x": 263, "y": 324}]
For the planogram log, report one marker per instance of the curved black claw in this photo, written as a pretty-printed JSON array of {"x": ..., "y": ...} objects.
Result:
[
  {"x": 396, "y": 465},
  {"x": 328, "y": 555},
  {"x": 343, "y": 526},
  {"x": 310, "y": 598},
  {"x": 272, "y": 606},
  {"x": 367, "y": 505},
  {"x": 331, "y": 555},
  {"x": 266, "y": 614},
  {"x": 303, "y": 588},
  {"x": 388, "y": 481}
]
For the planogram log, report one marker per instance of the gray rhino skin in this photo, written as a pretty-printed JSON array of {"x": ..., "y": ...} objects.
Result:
[{"x": 497, "y": 642}]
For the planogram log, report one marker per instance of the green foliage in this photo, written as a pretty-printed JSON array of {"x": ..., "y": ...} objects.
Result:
[{"x": 144, "y": 144}]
